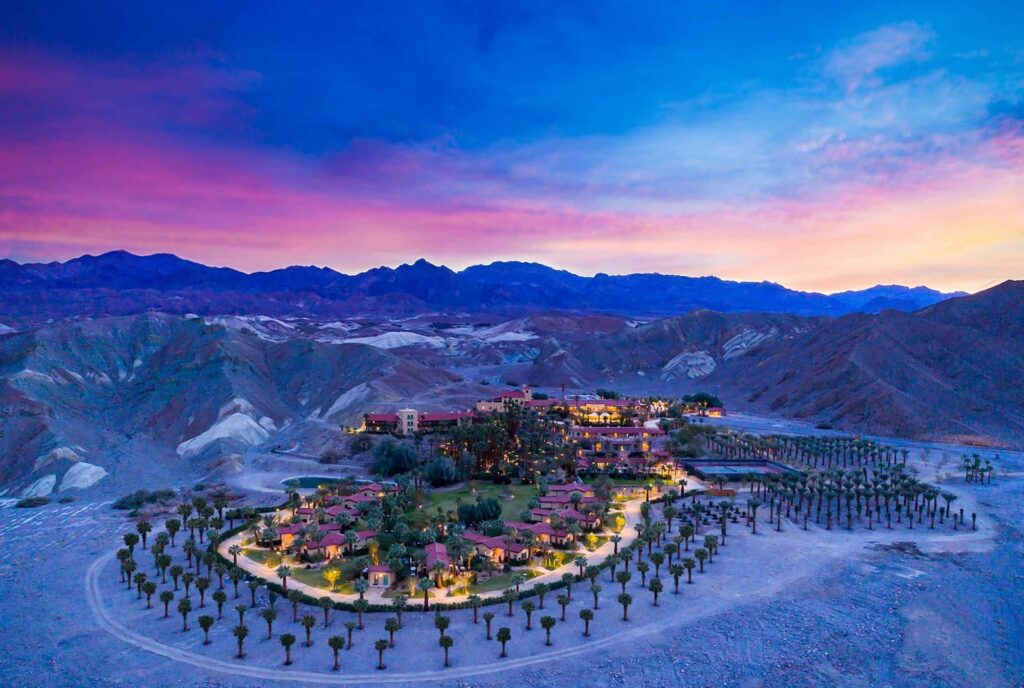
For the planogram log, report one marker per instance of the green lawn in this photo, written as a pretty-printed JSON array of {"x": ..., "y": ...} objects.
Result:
[
  {"x": 263, "y": 556},
  {"x": 510, "y": 508},
  {"x": 499, "y": 581},
  {"x": 315, "y": 578}
]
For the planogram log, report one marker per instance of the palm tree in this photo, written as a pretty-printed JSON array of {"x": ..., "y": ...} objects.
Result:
[
  {"x": 424, "y": 585},
  {"x": 220, "y": 597},
  {"x": 295, "y": 597},
  {"x": 349, "y": 627},
  {"x": 541, "y": 589},
  {"x": 176, "y": 573},
  {"x": 336, "y": 643},
  {"x": 753, "y": 505},
  {"x": 689, "y": 564},
  {"x": 399, "y": 602},
  {"x": 488, "y": 617},
  {"x": 441, "y": 622},
  {"x": 710, "y": 544},
  {"x": 391, "y": 625},
  {"x": 504, "y": 635},
  {"x": 658, "y": 558},
  {"x": 167, "y": 597},
  {"x": 234, "y": 551},
  {"x": 184, "y": 607},
  {"x": 287, "y": 640},
  {"x": 130, "y": 540},
  {"x": 236, "y": 575},
  {"x": 360, "y": 606},
  {"x": 206, "y": 622},
  {"x": 547, "y": 623},
  {"x": 144, "y": 528},
  {"x": 380, "y": 646},
  {"x": 202, "y": 585},
  {"x": 642, "y": 568},
  {"x": 173, "y": 525},
  {"x": 240, "y": 634},
  {"x": 587, "y": 615},
  {"x": 283, "y": 572},
  {"x": 656, "y": 587},
  {"x": 687, "y": 531},
  {"x": 529, "y": 607},
  {"x": 595, "y": 590},
  {"x": 308, "y": 622},
  {"x": 568, "y": 579},
  {"x": 509, "y": 595},
  {"x": 149, "y": 589},
  {"x": 241, "y": 609},
  {"x": 563, "y": 602},
  {"x": 625, "y": 600},
  {"x": 475, "y": 601},
  {"x": 269, "y": 615},
  {"x": 676, "y": 571},
  {"x": 624, "y": 577},
  {"x": 701, "y": 555},
  {"x": 253, "y": 586},
  {"x": 446, "y": 642},
  {"x": 325, "y": 603}
]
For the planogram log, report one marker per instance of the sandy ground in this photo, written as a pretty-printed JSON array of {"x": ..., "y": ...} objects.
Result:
[{"x": 776, "y": 609}]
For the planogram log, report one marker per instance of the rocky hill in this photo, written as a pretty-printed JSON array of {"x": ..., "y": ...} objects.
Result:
[
  {"x": 949, "y": 371},
  {"x": 170, "y": 396}
]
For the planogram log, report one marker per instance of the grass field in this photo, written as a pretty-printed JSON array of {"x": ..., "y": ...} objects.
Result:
[
  {"x": 510, "y": 508},
  {"x": 263, "y": 556},
  {"x": 315, "y": 578}
]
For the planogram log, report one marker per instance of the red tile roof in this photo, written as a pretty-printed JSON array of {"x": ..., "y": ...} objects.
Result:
[
  {"x": 441, "y": 416},
  {"x": 605, "y": 430},
  {"x": 436, "y": 551},
  {"x": 381, "y": 418},
  {"x": 329, "y": 540}
]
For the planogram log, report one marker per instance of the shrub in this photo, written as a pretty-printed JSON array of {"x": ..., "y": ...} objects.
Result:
[
  {"x": 441, "y": 471},
  {"x": 391, "y": 458},
  {"x": 141, "y": 498},
  {"x": 485, "y": 510},
  {"x": 32, "y": 502},
  {"x": 362, "y": 444},
  {"x": 331, "y": 456},
  {"x": 703, "y": 398}
]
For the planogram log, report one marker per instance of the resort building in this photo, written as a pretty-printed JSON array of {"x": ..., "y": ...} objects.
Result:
[
  {"x": 613, "y": 439},
  {"x": 405, "y": 422},
  {"x": 501, "y": 402}
]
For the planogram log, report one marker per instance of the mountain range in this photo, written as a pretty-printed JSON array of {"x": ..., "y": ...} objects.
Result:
[
  {"x": 122, "y": 371},
  {"x": 120, "y": 283}
]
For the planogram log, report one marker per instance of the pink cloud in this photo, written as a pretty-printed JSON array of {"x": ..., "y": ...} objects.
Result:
[{"x": 91, "y": 179}]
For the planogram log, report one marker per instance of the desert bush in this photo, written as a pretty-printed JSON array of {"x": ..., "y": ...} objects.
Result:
[
  {"x": 141, "y": 498},
  {"x": 32, "y": 502}
]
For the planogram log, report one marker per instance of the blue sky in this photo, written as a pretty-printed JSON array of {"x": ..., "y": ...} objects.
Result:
[{"x": 592, "y": 136}]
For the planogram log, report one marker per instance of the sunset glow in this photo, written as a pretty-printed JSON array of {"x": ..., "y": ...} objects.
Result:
[{"x": 879, "y": 151}]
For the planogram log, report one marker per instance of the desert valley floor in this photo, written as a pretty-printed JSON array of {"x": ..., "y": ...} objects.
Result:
[{"x": 867, "y": 608}]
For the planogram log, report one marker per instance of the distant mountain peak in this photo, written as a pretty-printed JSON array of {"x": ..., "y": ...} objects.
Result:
[{"x": 163, "y": 280}]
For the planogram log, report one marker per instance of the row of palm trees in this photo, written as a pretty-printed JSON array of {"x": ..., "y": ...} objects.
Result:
[
  {"x": 833, "y": 496},
  {"x": 806, "y": 450},
  {"x": 656, "y": 547}
]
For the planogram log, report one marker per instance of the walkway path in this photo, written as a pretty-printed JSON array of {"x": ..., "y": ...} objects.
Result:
[{"x": 631, "y": 511}]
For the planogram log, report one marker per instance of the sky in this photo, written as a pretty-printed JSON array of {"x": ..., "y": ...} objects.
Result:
[{"x": 823, "y": 146}]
